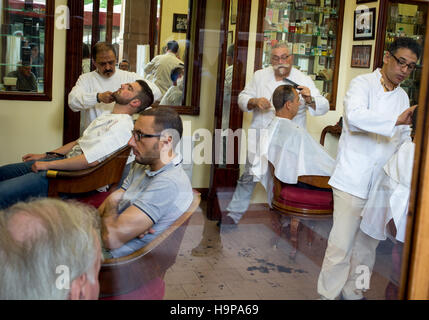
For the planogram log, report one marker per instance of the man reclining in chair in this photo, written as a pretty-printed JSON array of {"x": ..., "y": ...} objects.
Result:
[
  {"x": 289, "y": 149},
  {"x": 104, "y": 136},
  {"x": 157, "y": 190}
]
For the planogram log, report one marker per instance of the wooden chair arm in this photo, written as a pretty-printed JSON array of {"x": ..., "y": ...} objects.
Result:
[{"x": 105, "y": 173}]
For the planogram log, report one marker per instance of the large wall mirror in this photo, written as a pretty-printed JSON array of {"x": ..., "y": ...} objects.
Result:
[
  {"x": 139, "y": 30},
  {"x": 26, "y": 49}
]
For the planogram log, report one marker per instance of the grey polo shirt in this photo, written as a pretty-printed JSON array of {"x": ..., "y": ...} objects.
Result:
[{"x": 162, "y": 195}]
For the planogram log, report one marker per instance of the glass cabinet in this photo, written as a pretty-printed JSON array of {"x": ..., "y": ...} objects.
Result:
[
  {"x": 312, "y": 29},
  {"x": 26, "y": 49},
  {"x": 402, "y": 19}
]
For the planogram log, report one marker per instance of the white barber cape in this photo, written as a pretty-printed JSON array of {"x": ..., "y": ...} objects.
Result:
[
  {"x": 291, "y": 151},
  {"x": 263, "y": 85},
  {"x": 83, "y": 96},
  {"x": 104, "y": 136},
  {"x": 389, "y": 196}
]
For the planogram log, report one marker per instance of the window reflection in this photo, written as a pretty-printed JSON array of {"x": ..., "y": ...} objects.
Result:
[{"x": 23, "y": 45}]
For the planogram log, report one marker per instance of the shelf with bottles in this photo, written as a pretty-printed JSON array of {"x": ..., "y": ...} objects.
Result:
[
  {"x": 20, "y": 65},
  {"x": 22, "y": 36}
]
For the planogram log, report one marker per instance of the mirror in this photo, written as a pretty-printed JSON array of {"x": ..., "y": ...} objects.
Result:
[
  {"x": 26, "y": 49},
  {"x": 167, "y": 68}
]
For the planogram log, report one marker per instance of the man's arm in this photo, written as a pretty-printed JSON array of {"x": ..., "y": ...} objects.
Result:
[
  {"x": 70, "y": 164},
  {"x": 316, "y": 103},
  {"x": 61, "y": 150},
  {"x": 82, "y": 99},
  {"x": 248, "y": 99},
  {"x": 119, "y": 229}
]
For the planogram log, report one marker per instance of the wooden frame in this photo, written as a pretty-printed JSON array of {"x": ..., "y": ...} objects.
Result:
[
  {"x": 361, "y": 56},
  {"x": 364, "y": 24},
  {"x": 364, "y": 1},
  {"x": 178, "y": 23},
  {"x": 48, "y": 68}
]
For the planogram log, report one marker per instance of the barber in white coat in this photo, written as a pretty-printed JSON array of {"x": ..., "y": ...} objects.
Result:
[
  {"x": 377, "y": 116},
  {"x": 255, "y": 98},
  {"x": 92, "y": 94}
]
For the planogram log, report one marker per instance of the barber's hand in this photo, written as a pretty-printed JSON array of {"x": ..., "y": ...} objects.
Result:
[
  {"x": 40, "y": 166},
  {"x": 151, "y": 231},
  {"x": 305, "y": 93},
  {"x": 32, "y": 156},
  {"x": 405, "y": 118},
  {"x": 260, "y": 103},
  {"x": 106, "y": 97}
]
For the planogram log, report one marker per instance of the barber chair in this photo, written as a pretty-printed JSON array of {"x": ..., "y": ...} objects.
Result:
[
  {"x": 311, "y": 201},
  {"x": 82, "y": 184},
  {"x": 139, "y": 276}
]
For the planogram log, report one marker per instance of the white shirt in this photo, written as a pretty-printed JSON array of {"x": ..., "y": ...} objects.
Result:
[
  {"x": 159, "y": 70},
  {"x": 104, "y": 136},
  {"x": 263, "y": 85},
  {"x": 83, "y": 96},
  {"x": 389, "y": 196},
  {"x": 292, "y": 152},
  {"x": 369, "y": 136}
]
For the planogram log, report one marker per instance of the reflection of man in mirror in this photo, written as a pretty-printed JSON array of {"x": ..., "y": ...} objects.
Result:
[
  {"x": 227, "y": 87},
  {"x": 174, "y": 95},
  {"x": 93, "y": 93},
  {"x": 25, "y": 79},
  {"x": 159, "y": 69},
  {"x": 37, "y": 59},
  {"x": 256, "y": 97},
  {"x": 124, "y": 65}
]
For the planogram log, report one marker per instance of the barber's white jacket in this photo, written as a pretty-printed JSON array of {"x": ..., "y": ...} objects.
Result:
[
  {"x": 369, "y": 136},
  {"x": 264, "y": 83},
  {"x": 83, "y": 96}
]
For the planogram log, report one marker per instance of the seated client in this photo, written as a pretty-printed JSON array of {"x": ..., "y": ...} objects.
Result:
[
  {"x": 105, "y": 135},
  {"x": 157, "y": 190},
  {"x": 288, "y": 148}
]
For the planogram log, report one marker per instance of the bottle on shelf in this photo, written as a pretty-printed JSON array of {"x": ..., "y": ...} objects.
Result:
[{"x": 292, "y": 27}]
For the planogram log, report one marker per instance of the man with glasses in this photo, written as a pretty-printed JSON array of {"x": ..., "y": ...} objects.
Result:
[
  {"x": 104, "y": 136},
  {"x": 377, "y": 119},
  {"x": 255, "y": 98},
  {"x": 157, "y": 190}
]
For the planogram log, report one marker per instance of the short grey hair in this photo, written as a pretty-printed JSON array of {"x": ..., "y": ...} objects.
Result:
[
  {"x": 280, "y": 44},
  {"x": 67, "y": 236},
  {"x": 281, "y": 95}
]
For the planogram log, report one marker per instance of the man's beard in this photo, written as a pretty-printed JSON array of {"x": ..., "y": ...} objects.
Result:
[{"x": 118, "y": 99}]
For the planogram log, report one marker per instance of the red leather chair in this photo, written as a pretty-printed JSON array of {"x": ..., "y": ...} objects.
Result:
[{"x": 311, "y": 201}]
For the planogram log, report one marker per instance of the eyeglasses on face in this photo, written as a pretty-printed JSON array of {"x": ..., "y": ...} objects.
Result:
[
  {"x": 137, "y": 135},
  {"x": 402, "y": 63},
  {"x": 283, "y": 57}
]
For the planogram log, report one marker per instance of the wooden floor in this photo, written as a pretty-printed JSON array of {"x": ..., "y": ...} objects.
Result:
[{"x": 252, "y": 262}]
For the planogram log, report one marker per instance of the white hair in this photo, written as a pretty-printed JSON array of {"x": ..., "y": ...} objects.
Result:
[{"x": 62, "y": 234}]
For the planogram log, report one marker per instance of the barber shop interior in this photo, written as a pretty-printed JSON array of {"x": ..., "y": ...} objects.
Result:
[{"x": 206, "y": 149}]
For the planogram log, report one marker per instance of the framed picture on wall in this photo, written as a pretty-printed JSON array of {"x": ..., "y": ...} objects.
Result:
[
  {"x": 364, "y": 24},
  {"x": 361, "y": 56},
  {"x": 180, "y": 22}
]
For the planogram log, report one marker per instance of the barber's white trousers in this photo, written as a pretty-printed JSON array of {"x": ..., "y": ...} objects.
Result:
[
  {"x": 350, "y": 254},
  {"x": 242, "y": 195}
]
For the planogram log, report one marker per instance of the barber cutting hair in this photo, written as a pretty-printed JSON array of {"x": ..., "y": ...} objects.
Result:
[{"x": 256, "y": 98}]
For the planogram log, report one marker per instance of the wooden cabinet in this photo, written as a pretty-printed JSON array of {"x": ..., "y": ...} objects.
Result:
[
  {"x": 402, "y": 19},
  {"x": 313, "y": 31}
]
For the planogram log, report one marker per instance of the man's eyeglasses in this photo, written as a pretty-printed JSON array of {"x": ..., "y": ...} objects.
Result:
[
  {"x": 401, "y": 63},
  {"x": 283, "y": 57},
  {"x": 139, "y": 135}
]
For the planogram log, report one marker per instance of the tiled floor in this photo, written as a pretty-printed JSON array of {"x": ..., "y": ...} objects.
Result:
[{"x": 252, "y": 263}]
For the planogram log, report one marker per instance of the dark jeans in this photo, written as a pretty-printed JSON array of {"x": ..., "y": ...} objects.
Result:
[{"x": 19, "y": 183}]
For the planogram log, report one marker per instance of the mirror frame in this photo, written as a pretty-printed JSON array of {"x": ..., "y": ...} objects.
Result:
[
  {"x": 46, "y": 95},
  {"x": 74, "y": 57},
  {"x": 196, "y": 14}
]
